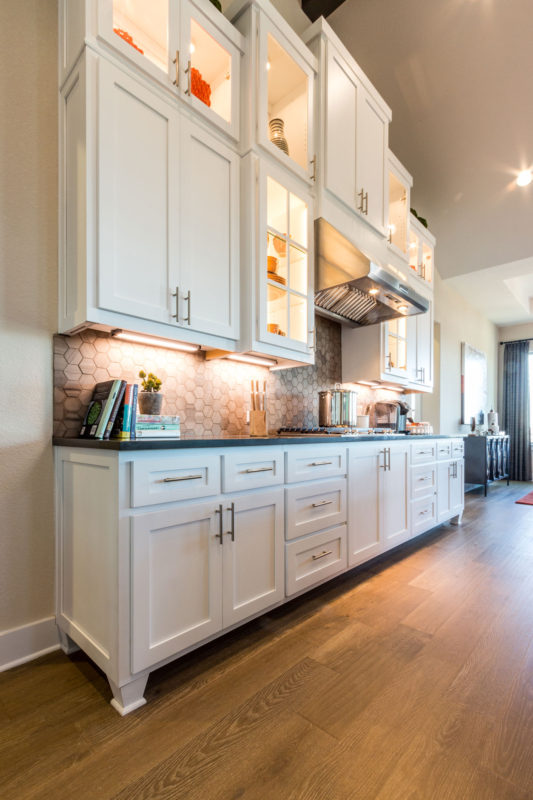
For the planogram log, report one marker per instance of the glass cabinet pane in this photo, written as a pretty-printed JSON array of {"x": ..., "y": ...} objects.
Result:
[
  {"x": 298, "y": 318},
  {"x": 427, "y": 262},
  {"x": 210, "y": 78},
  {"x": 144, "y": 26},
  {"x": 287, "y": 103},
  {"x": 277, "y": 201},
  {"x": 298, "y": 269},
  {"x": 277, "y": 311},
  {"x": 413, "y": 251},
  {"x": 298, "y": 220},
  {"x": 397, "y": 213}
]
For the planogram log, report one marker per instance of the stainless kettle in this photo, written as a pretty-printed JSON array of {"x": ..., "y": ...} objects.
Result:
[{"x": 337, "y": 408}]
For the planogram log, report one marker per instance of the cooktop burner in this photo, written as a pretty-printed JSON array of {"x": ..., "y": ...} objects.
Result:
[{"x": 339, "y": 431}]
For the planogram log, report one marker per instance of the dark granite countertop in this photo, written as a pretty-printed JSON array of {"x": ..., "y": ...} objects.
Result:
[{"x": 189, "y": 441}]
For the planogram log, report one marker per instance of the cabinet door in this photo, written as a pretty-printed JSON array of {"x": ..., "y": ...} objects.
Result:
[
  {"x": 371, "y": 173},
  {"x": 444, "y": 499},
  {"x": 209, "y": 72},
  {"x": 340, "y": 128},
  {"x": 394, "y": 496},
  {"x": 253, "y": 554},
  {"x": 209, "y": 234},
  {"x": 285, "y": 100},
  {"x": 457, "y": 488},
  {"x": 394, "y": 335},
  {"x": 138, "y": 184},
  {"x": 364, "y": 466},
  {"x": 424, "y": 347},
  {"x": 176, "y": 581},
  {"x": 285, "y": 236}
]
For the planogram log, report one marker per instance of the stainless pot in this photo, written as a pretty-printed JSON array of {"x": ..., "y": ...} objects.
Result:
[{"x": 337, "y": 408}]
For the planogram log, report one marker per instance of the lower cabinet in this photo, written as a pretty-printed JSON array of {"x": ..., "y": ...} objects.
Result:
[
  {"x": 378, "y": 499},
  {"x": 201, "y": 568},
  {"x": 189, "y": 542}
]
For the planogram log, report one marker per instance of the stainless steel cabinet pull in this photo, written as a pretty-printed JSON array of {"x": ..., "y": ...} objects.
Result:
[
  {"x": 361, "y": 205},
  {"x": 313, "y": 162},
  {"x": 232, "y": 531},
  {"x": 320, "y": 463},
  {"x": 188, "y": 71},
  {"x": 176, "y": 61},
  {"x": 365, "y": 210},
  {"x": 176, "y": 316},
  {"x": 424, "y": 479},
  {"x": 259, "y": 469},
  {"x": 322, "y": 554},
  {"x": 423, "y": 513},
  {"x": 386, "y": 459},
  {"x": 322, "y": 503},
  {"x": 423, "y": 452},
  {"x": 183, "y": 478},
  {"x": 312, "y": 333},
  {"x": 187, "y": 319},
  {"x": 220, "y": 534}
]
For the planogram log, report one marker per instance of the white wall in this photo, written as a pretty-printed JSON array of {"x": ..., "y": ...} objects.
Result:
[
  {"x": 458, "y": 322},
  {"x": 28, "y": 297}
]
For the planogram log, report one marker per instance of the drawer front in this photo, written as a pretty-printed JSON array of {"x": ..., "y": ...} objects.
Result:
[
  {"x": 423, "y": 480},
  {"x": 315, "y": 558},
  {"x": 458, "y": 448},
  {"x": 311, "y": 463},
  {"x": 315, "y": 506},
  {"x": 252, "y": 468},
  {"x": 183, "y": 476},
  {"x": 423, "y": 452},
  {"x": 444, "y": 451},
  {"x": 423, "y": 514}
]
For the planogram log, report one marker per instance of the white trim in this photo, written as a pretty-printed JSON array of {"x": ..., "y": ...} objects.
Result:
[{"x": 27, "y": 642}]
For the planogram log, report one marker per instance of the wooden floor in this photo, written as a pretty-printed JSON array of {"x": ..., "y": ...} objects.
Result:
[{"x": 409, "y": 679}]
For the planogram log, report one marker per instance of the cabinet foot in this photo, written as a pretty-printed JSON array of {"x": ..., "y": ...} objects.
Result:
[
  {"x": 67, "y": 644},
  {"x": 130, "y": 696},
  {"x": 457, "y": 520}
]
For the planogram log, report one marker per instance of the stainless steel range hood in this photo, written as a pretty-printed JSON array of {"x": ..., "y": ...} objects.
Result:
[{"x": 354, "y": 290}]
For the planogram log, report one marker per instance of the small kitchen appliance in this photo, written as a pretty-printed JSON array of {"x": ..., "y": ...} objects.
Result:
[
  {"x": 391, "y": 415},
  {"x": 338, "y": 407}
]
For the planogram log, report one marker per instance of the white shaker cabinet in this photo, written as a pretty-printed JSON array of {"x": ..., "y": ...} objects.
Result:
[
  {"x": 352, "y": 122},
  {"x": 378, "y": 497},
  {"x": 149, "y": 235},
  {"x": 420, "y": 347}
]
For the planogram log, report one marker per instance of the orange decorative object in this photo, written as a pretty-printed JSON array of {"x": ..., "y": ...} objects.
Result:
[
  {"x": 127, "y": 38},
  {"x": 199, "y": 87}
]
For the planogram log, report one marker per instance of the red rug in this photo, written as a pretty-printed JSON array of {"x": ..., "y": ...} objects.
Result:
[{"x": 527, "y": 500}]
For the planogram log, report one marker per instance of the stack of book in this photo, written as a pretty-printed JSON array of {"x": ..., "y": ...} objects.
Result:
[
  {"x": 112, "y": 411},
  {"x": 157, "y": 426}
]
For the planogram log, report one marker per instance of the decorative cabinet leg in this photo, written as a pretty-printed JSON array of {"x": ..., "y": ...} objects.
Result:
[
  {"x": 130, "y": 696},
  {"x": 457, "y": 520},
  {"x": 67, "y": 644}
]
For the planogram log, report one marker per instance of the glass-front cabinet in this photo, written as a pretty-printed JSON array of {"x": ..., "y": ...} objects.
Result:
[
  {"x": 395, "y": 347},
  {"x": 400, "y": 183},
  {"x": 421, "y": 251},
  {"x": 187, "y": 45},
  {"x": 285, "y": 268}
]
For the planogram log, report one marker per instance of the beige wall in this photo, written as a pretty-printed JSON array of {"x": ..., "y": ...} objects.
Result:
[
  {"x": 28, "y": 297},
  {"x": 458, "y": 322},
  {"x": 290, "y": 9}
]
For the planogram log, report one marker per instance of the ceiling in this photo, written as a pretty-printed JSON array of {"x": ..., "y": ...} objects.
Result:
[{"x": 457, "y": 75}]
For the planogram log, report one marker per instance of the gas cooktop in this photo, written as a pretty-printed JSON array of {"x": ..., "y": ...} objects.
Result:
[{"x": 337, "y": 431}]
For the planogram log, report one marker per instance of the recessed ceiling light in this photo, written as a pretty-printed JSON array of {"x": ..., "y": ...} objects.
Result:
[
  {"x": 373, "y": 291},
  {"x": 524, "y": 178}
]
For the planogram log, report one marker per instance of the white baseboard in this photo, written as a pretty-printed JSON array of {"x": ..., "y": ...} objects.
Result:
[{"x": 19, "y": 645}]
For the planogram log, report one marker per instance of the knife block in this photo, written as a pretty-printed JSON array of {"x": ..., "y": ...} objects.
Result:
[{"x": 258, "y": 423}]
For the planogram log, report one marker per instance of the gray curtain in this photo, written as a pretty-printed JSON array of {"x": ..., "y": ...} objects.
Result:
[{"x": 516, "y": 408}]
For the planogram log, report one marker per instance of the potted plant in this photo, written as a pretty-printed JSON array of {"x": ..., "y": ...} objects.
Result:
[{"x": 150, "y": 399}]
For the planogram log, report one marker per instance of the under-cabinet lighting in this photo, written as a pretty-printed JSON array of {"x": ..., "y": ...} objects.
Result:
[
  {"x": 403, "y": 309},
  {"x": 256, "y": 360},
  {"x": 150, "y": 340},
  {"x": 524, "y": 178},
  {"x": 392, "y": 389},
  {"x": 373, "y": 291},
  {"x": 372, "y": 384}
]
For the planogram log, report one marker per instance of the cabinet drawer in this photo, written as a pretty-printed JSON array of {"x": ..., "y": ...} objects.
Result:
[
  {"x": 309, "y": 463},
  {"x": 423, "y": 452},
  {"x": 183, "y": 476},
  {"x": 252, "y": 468},
  {"x": 444, "y": 450},
  {"x": 423, "y": 514},
  {"x": 423, "y": 480},
  {"x": 315, "y": 558},
  {"x": 458, "y": 448},
  {"x": 315, "y": 506}
]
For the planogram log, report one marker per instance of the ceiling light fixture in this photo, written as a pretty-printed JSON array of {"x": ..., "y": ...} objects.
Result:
[
  {"x": 256, "y": 360},
  {"x": 524, "y": 178},
  {"x": 153, "y": 342}
]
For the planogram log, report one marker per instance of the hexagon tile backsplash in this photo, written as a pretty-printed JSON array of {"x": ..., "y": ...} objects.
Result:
[{"x": 211, "y": 397}]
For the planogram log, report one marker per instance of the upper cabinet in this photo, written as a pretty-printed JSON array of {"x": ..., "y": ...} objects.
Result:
[
  {"x": 278, "y": 88},
  {"x": 400, "y": 183},
  {"x": 352, "y": 125},
  {"x": 421, "y": 251},
  {"x": 149, "y": 223},
  {"x": 187, "y": 46}
]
